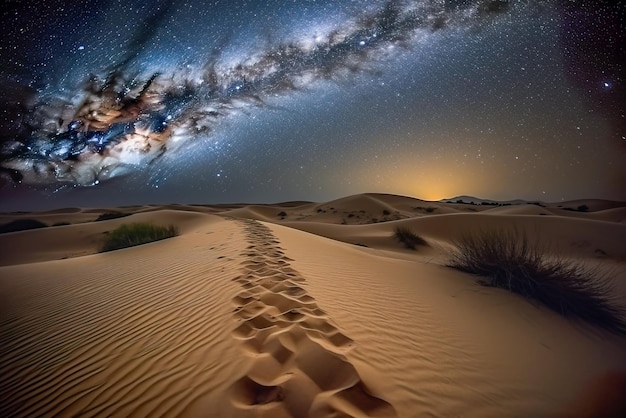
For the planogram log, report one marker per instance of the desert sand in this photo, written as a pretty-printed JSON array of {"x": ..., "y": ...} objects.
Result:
[{"x": 300, "y": 309}]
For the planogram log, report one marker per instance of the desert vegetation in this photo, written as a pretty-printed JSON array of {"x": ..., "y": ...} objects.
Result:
[
  {"x": 427, "y": 209},
  {"x": 408, "y": 238},
  {"x": 21, "y": 225},
  {"x": 111, "y": 215},
  {"x": 508, "y": 260},
  {"x": 580, "y": 208},
  {"x": 129, "y": 235}
]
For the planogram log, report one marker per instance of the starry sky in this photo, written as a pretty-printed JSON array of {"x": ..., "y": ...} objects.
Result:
[{"x": 111, "y": 102}]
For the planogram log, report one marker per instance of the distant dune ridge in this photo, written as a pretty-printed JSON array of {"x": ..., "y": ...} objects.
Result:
[{"x": 302, "y": 309}]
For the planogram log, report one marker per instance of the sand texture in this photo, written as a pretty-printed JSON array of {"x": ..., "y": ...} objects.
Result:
[{"x": 300, "y": 310}]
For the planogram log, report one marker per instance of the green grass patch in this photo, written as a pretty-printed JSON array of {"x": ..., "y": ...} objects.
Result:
[
  {"x": 408, "y": 238},
  {"x": 129, "y": 235},
  {"x": 508, "y": 260}
]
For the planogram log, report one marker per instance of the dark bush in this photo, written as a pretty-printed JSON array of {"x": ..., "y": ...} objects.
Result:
[
  {"x": 581, "y": 208},
  {"x": 408, "y": 238},
  {"x": 21, "y": 225},
  {"x": 509, "y": 261},
  {"x": 111, "y": 215},
  {"x": 427, "y": 209},
  {"x": 129, "y": 235}
]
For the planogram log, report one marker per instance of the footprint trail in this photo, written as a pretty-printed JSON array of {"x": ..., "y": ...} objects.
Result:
[{"x": 299, "y": 367}]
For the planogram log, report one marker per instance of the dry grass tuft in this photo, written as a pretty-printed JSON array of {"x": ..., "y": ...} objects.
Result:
[
  {"x": 408, "y": 238},
  {"x": 509, "y": 261}
]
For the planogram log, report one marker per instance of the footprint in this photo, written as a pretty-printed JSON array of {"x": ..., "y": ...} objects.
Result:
[
  {"x": 293, "y": 315},
  {"x": 249, "y": 392},
  {"x": 283, "y": 303},
  {"x": 251, "y": 309},
  {"x": 328, "y": 370}
]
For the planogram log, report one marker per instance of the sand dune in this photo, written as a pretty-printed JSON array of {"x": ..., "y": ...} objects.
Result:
[
  {"x": 77, "y": 239},
  {"x": 569, "y": 236},
  {"x": 457, "y": 349},
  {"x": 250, "y": 312}
]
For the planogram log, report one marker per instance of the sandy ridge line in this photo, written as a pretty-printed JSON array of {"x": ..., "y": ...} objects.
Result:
[{"x": 299, "y": 368}]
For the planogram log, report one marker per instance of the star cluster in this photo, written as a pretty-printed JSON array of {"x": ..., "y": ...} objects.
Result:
[{"x": 154, "y": 102}]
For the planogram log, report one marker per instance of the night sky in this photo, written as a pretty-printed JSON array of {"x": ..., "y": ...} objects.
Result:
[{"x": 108, "y": 103}]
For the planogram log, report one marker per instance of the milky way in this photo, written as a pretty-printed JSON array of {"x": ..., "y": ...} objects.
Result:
[
  {"x": 132, "y": 111},
  {"x": 123, "y": 121}
]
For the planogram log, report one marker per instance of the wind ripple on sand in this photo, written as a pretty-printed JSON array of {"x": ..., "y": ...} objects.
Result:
[
  {"x": 429, "y": 368},
  {"x": 129, "y": 333},
  {"x": 299, "y": 366}
]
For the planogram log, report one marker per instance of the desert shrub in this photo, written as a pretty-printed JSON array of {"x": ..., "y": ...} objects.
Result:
[
  {"x": 386, "y": 212},
  {"x": 111, "y": 215},
  {"x": 408, "y": 238},
  {"x": 129, "y": 235},
  {"x": 427, "y": 209},
  {"x": 508, "y": 260},
  {"x": 282, "y": 214},
  {"x": 21, "y": 225},
  {"x": 581, "y": 208}
]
